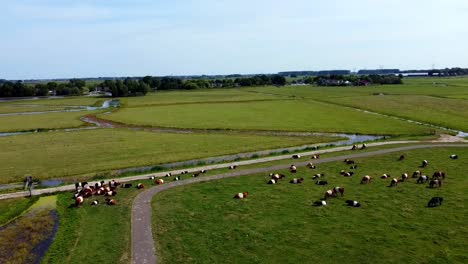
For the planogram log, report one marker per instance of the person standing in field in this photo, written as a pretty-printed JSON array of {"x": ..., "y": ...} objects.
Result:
[{"x": 27, "y": 181}]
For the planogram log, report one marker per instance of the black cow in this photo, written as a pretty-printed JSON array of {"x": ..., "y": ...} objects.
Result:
[{"x": 435, "y": 201}]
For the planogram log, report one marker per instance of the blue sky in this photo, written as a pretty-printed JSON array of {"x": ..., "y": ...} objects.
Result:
[{"x": 86, "y": 38}]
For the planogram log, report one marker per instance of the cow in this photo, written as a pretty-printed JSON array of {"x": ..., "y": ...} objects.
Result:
[
  {"x": 364, "y": 146},
  {"x": 348, "y": 173},
  {"x": 113, "y": 184},
  {"x": 81, "y": 185},
  {"x": 435, "y": 201},
  {"x": 168, "y": 174},
  {"x": 159, "y": 181},
  {"x": 196, "y": 174},
  {"x": 422, "y": 179},
  {"x": 87, "y": 192},
  {"x": 110, "y": 201},
  {"x": 95, "y": 202},
  {"x": 184, "y": 172},
  {"x": 140, "y": 186},
  {"x": 348, "y": 161},
  {"x": 328, "y": 194},
  {"x": 232, "y": 167},
  {"x": 339, "y": 190},
  {"x": 320, "y": 182},
  {"x": 296, "y": 156},
  {"x": 97, "y": 185},
  {"x": 424, "y": 163},
  {"x": 454, "y": 156},
  {"x": 435, "y": 183},
  {"x": 416, "y": 174},
  {"x": 316, "y": 156},
  {"x": 292, "y": 169},
  {"x": 404, "y": 177},
  {"x": 272, "y": 181},
  {"x": 126, "y": 185},
  {"x": 366, "y": 179},
  {"x": 318, "y": 175},
  {"x": 402, "y": 157},
  {"x": 353, "y": 167},
  {"x": 311, "y": 166},
  {"x": 296, "y": 180},
  {"x": 320, "y": 203},
  {"x": 177, "y": 178},
  {"x": 394, "y": 182},
  {"x": 241, "y": 195},
  {"x": 438, "y": 175},
  {"x": 385, "y": 176},
  {"x": 100, "y": 191},
  {"x": 152, "y": 177},
  {"x": 354, "y": 147},
  {"x": 352, "y": 203},
  {"x": 79, "y": 201},
  {"x": 276, "y": 176},
  {"x": 110, "y": 193}
]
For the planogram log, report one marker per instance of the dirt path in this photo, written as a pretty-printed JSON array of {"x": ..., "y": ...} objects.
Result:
[{"x": 143, "y": 250}]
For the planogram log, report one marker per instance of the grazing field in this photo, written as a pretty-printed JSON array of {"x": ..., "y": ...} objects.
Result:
[
  {"x": 183, "y": 97},
  {"x": 100, "y": 233},
  {"x": 289, "y": 115},
  {"x": 277, "y": 224},
  {"x": 444, "y": 112},
  {"x": 41, "y": 121},
  {"x": 11, "y": 208},
  {"x": 64, "y": 154}
]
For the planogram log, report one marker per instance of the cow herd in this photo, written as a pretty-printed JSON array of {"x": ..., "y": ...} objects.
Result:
[
  {"x": 433, "y": 182},
  {"x": 109, "y": 191}
]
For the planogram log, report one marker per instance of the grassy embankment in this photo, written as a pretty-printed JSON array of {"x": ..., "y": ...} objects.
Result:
[
  {"x": 277, "y": 223},
  {"x": 22, "y": 239}
]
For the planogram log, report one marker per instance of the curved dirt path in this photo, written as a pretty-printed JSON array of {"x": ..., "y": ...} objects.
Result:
[{"x": 143, "y": 250}]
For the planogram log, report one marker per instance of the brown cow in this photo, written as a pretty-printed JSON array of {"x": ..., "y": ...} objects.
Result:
[
  {"x": 241, "y": 195},
  {"x": 366, "y": 179}
]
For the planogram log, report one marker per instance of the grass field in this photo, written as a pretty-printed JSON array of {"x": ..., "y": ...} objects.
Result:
[
  {"x": 444, "y": 112},
  {"x": 42, "y": 121},
  {"x": 64, "y": 154},
  {"x": 277, "y": 224},
  {"x": 300, "y": 115},
  {"x": 11, "y": 208},
  {"x": 208, "y": 95}
]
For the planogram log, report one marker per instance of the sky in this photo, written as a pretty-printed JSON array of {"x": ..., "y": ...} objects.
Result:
[{"x": 44, "y": 39}]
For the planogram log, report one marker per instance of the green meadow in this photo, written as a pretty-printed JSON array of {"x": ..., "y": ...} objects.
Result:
[
  {"x": 287, "y": 115},
  {"x": 41, "y": 121},
  {"x": 66, "y": 154},
  {"x": 277, "y": 223}
]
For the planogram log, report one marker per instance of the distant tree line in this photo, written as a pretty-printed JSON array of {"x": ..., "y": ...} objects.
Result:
[
  {"x": 354, "y": 80},
  {"x": 19, "y": 89},
  {"x": 124, "y": 88},
  {"x": 171, "y": 83}
]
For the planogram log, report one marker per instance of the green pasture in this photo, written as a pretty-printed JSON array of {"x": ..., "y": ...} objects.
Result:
[
  {"x": 205, "y": 95},
  {"x": 42, "y": 121},
  {"x": 277, "y": 224},
  {"x": 11, "y": 208},
  {"x": 288, "y": 115},
  {"x": 452, "y": 113},
  {"x": 65, "y": 154}
]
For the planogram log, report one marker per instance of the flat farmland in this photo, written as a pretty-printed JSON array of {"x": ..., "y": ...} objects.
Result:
[
  {"x": 277, "y": 223},
  {"x": 64, "y": 154},
  {"x": 286, "y": 115},
  {"x": 452, "y": 113},
  {"x": 206, "y": 95},
  {"x": 41, "y": 121}
]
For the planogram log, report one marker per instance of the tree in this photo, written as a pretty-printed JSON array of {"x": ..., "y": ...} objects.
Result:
[
  {"x": 41, "y": 89},
  {"x": 278, "y": 80}
]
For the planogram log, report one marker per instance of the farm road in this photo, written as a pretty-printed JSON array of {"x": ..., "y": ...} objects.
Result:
[{"x": 143, "y": 251}]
